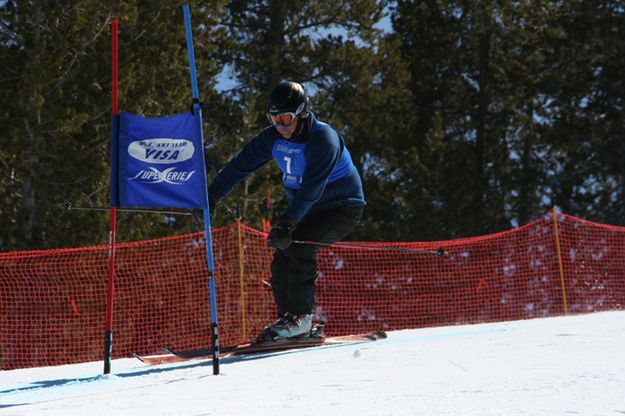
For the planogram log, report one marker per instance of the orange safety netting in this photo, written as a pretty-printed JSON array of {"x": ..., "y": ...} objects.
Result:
[{"x": 53, "y": 302}]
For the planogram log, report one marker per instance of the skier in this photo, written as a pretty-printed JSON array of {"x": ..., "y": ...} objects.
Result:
[{"x": 324, "y": 194}]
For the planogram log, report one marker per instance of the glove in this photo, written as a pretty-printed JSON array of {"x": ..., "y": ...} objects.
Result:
[{"x": 280, "y": 234}]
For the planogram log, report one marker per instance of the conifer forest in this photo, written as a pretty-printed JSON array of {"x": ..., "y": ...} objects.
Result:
[{"x": 464, "y": 118}]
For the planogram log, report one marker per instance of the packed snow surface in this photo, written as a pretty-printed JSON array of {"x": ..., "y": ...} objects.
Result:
[{"x": 572, "y": 365}]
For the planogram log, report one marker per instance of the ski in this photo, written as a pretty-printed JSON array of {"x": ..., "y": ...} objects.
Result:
[
  {"x": 159, "y": 359},
  {"x": 254, "y": 347},
  {"x": 275, "y": 346}
]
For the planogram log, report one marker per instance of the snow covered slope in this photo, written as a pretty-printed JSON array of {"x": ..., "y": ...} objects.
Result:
[{"x": 571, "y": 365}]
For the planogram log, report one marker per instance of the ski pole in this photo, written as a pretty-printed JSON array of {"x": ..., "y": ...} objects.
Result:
[
  {"x": 440, "y": 251},
  {"x": 68, "y": 207}
]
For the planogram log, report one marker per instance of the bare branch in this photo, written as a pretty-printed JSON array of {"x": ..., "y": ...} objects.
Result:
[{"x": 64, "y": 77}]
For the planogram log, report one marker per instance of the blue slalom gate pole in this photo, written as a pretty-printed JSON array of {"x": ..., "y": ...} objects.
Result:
[{"x": 207, "y": 224}]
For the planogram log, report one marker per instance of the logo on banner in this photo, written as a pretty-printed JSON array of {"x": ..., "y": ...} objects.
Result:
[
  {"x": 169, "y": 175},
  {"x": 162, "y": 150}
]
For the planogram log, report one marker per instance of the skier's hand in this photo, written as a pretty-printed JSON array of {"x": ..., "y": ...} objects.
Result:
[{"x": 280, "y": 234}]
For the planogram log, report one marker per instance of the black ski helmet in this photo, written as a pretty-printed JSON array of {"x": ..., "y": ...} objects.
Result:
[{"x": 288, "y": 96}]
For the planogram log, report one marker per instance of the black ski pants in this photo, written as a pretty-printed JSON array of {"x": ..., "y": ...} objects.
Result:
[{"x": 294, "y": 269}]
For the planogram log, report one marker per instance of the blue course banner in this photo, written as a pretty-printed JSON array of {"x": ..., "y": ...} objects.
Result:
[{"x": 161, "y": 164}]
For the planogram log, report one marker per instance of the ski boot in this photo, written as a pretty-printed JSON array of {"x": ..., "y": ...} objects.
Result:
[{"x": 287, "y": 327}]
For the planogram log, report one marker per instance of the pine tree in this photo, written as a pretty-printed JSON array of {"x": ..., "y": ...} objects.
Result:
[
  {"x": 52, "y": 103},
  {"x": 55, "y": 117},
  {"x": 450, "y": 48},
  {"x": 587, "y": 102}
]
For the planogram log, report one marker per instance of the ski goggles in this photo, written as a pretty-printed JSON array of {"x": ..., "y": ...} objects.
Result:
[{"x": 285, "y": 119}]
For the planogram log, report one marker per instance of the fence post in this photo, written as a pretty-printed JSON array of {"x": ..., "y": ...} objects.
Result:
[
  {"x": 559, "y": 252},
  {"x": 241, "y": 278}
]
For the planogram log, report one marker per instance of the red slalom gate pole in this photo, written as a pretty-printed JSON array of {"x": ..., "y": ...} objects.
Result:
[{"x": 108, "y": 334}]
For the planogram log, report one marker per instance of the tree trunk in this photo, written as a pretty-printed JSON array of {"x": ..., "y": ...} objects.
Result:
[
  {"x": 620, "y": 219},
  {"x": 28, "y": 193},
  {"x": 526, "y": 184},
  {"x": 277, "y": 19},
  {"x": 482, "y": 109}
]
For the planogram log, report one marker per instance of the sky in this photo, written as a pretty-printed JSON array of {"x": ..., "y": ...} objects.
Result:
[{"x": 572, "y": 365}]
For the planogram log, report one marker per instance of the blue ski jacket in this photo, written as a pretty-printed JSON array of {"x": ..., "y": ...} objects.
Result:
[{"x": 317, "y": 169}]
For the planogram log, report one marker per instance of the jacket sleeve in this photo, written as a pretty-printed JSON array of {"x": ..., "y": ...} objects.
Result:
[
  {"x": 322, "y": 153},
  {"x": 250, "y": 158}
]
